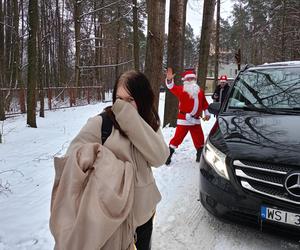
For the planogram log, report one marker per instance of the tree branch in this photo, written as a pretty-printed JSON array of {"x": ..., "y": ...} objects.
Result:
[{"x": 104, "y": 66}]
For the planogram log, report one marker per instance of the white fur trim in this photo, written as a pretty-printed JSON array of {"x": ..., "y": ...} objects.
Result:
[
  {"x": 192, "y": 122},
  {"x": 170, "y": 85},
  {"x": 193, "y": 91},
  {"x": 189, "y": 76},
  {"x": 172, "y": 146},
  {"x": 196, "y": 105}
]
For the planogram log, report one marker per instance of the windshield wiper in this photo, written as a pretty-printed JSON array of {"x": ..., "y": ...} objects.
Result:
[{"x": 295, "y": 110}]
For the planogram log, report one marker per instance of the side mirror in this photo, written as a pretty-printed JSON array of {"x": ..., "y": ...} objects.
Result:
[{"x": 214, "y": 108}]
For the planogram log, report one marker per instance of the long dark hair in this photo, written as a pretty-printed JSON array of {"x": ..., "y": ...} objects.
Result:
[{"x": 140, "y": 89}]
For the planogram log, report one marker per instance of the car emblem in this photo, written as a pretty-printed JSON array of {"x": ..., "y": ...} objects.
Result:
[{"x": 292, "y": 184}]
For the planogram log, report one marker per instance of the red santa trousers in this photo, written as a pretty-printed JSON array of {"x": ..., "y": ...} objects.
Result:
[{"x": 181, "y": 132}]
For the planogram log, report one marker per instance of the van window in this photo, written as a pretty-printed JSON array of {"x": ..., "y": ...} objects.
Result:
[{"x": 276, "y": 88}]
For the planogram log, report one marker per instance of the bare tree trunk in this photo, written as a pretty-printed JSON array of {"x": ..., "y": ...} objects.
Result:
[
  {"x": 238, "y": 59},
  {"x": 96, "y": 55},
  {"x": 241, "y": 41},
  {"x": 32, "y": 64},
  {"x": 77, "y": 43},
  {"x": 46, "y": 43},
  {"x": 53, "y": 63},
  {"x": 118, "y": 37},
  {"x": 175, "y": 55},
  {"x": 21, "y": 80},
  {"x": 40, "y": 67},
  {"x": 101, "y": 56},
  {"x": 155, "y": 44},
  {"x": 283, "y": 31},
  {"x": 183, "y": 30},
  {"x": 207, "y": 20},
  {"x": 217, "y": 52},
  {"x": 8, "y": 44},
  {"x": 16, "y": 49},
  {"x": 60, "y": 53},
  {"x": 2, "y": 110},
  {"x": 136, "y": 41}
]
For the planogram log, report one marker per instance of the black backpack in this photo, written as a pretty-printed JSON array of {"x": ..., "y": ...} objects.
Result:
[{"x": 106, "y": 128}]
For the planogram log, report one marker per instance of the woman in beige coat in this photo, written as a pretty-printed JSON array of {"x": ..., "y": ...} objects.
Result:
[{"x": 105, "y": 196}]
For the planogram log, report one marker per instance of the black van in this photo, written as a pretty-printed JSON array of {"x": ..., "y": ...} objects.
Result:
[{"x": 250, "y": 164}]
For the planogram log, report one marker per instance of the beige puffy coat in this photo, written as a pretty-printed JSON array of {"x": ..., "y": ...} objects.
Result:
[{"x": 102, "y": 193}]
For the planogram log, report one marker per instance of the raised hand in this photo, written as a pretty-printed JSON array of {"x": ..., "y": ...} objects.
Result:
[{"x": 170, "y": 75}]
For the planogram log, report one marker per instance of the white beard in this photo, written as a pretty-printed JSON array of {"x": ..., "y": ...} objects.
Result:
[{"x": 191, "y": 88}]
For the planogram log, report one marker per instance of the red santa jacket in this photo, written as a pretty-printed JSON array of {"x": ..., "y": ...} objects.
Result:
[{"x": 190, "y": 108}]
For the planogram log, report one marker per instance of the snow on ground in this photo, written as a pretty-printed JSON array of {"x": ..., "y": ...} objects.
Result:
[{"x": 26, "y": 178}]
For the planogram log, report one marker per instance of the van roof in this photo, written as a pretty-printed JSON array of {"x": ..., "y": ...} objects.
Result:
[{"x": 287, "y": 63}]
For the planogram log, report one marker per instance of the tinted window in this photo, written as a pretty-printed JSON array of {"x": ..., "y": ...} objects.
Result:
[{"x": 277, "y": 88}]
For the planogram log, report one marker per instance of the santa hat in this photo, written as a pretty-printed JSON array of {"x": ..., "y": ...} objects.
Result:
[
  {"x": 189, "y": 73},
  {"x": 223, "y": 78}
]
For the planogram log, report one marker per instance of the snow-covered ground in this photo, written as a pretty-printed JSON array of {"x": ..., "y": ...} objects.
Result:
[{"x": 26, "y": 178}]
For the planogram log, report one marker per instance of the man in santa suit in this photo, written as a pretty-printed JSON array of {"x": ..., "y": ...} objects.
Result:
[{"x": 192, "y": 103}]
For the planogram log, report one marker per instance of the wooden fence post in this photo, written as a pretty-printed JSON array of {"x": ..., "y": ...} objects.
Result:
[
  {"x": 74, "y": 95},
  {"x": 62, "y": 93},
  {"x": 88, "y": 95},
  {"x": 2, "y": 109},
  {"x": 7, "y": 99},
  {"x": 99, "y": 94},
  {"x": 70, "y": 96},
  {"x": 49, "y": 94}
]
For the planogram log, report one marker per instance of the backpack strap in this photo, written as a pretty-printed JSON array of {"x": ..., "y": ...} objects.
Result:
[{"x": 106, "y": 128}]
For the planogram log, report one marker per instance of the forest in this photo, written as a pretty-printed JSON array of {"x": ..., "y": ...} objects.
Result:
[{"x": 66, "y": 50}]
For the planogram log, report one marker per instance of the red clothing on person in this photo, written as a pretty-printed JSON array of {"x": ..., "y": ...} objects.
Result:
[
  {"x": 189, "y": 115},
  {"x": 181, "y": 132}
]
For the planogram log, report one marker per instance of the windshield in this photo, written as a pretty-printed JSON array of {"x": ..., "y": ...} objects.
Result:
[{"x": 271, "y": 89}]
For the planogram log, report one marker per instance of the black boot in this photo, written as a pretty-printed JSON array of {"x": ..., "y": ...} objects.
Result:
[
  {"x": 168, "y": 161},
  {"x": 198, "y": 155}
]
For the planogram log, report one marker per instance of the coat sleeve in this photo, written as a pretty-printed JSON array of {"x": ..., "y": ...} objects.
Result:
[
  {"x": 216, "y": 94},
  {"x": 174, "y": 89},
  {"x": 151, "y": 144}
]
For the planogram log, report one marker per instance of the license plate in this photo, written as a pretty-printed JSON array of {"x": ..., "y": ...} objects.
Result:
[{"x": 281, "y": 216}]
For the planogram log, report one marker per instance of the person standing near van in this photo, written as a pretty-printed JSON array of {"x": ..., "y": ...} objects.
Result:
[
  {"x": 192, "y": 103},
  {"x": 221, "y": 90}
]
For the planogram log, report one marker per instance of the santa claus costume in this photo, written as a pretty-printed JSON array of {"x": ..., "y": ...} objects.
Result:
[{"x": 192, "y": 103}]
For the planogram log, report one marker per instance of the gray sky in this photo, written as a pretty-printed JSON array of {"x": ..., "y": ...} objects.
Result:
[{"x": 194, "y": 13}]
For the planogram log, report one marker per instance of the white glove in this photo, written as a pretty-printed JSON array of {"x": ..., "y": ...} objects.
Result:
[
  {"x": 188, "y": 117},
  {"x": 206, "y": 115}
]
